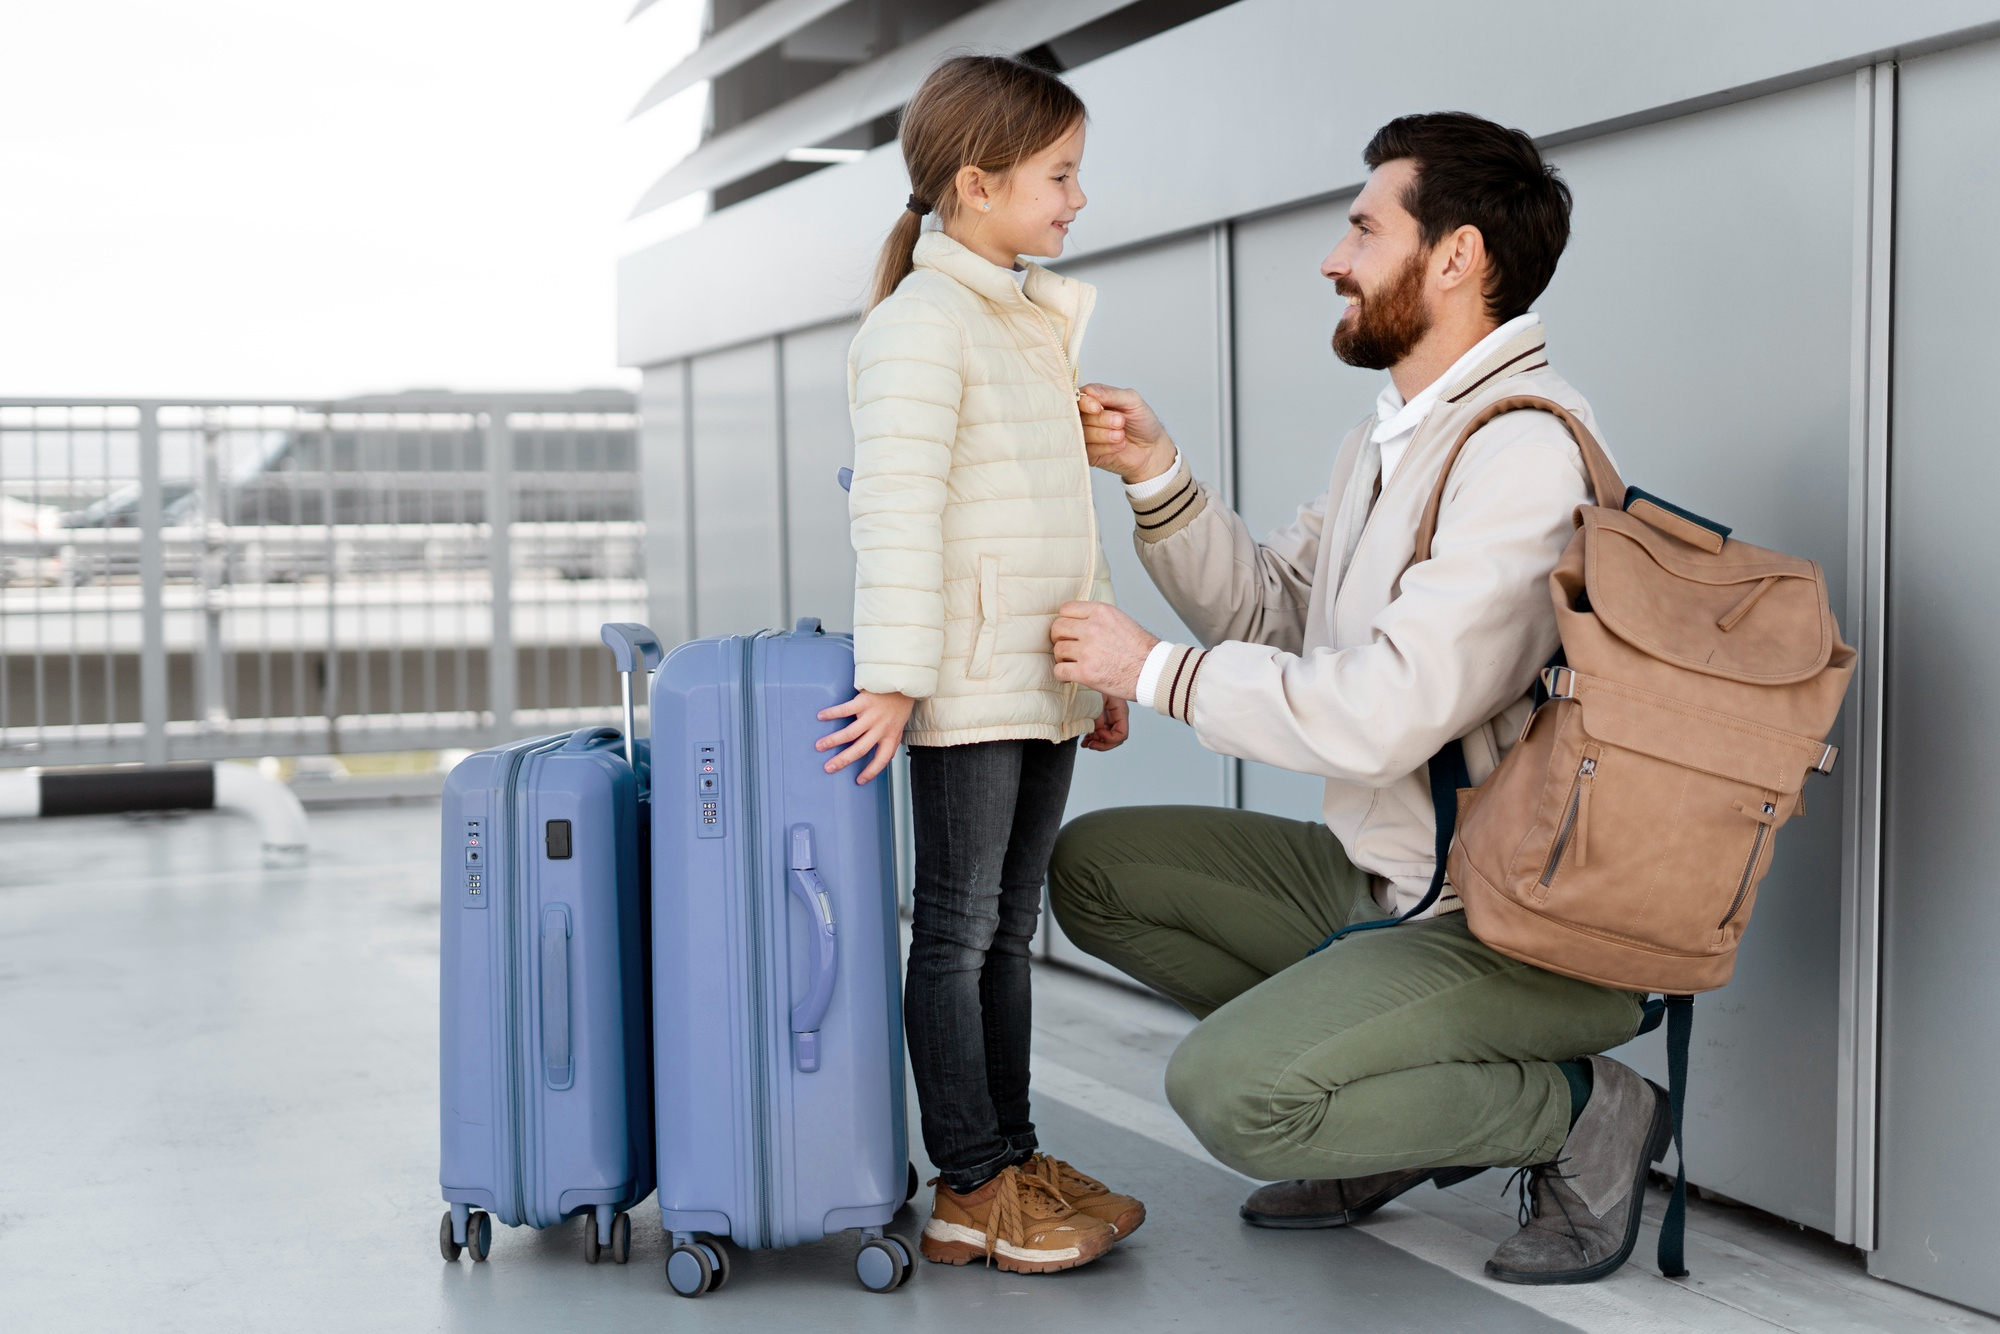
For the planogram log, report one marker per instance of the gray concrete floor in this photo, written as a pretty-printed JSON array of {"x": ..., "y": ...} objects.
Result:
[{"x": 219, "y": 1104}]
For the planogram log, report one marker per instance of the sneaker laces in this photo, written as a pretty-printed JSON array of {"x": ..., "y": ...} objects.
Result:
[
  {"x": 1068, "y": 1183},
  {"x": 1530, "y": 1180}
]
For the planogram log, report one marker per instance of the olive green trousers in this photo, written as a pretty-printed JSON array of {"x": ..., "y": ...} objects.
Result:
[{"x": 1405, "y": 1047}]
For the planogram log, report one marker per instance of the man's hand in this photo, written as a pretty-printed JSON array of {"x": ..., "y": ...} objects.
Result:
[
  {"x": 878, "y": 726},
  {"x": 1122, "y": 435},
  {"x": 1099, "y": 646},
  {"x": 1113, "y": 726}
]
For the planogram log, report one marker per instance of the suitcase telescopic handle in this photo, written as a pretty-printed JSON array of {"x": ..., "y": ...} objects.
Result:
[
  {"x": 634, "y": 649},
  {"x": 811, "y": 891}
]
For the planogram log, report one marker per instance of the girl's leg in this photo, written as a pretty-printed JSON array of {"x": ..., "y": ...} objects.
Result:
[
  {"x": 1006, "y": 996},
  {"x": 962, "y": 802}
]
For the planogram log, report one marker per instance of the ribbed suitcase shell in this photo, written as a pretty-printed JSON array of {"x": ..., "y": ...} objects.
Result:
[
  {"x": 542, "y": 1117},
  {"x": 753, "y": 1146}
]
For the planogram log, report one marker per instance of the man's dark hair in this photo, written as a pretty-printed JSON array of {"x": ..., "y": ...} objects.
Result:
[{"x": 1471, "y": 172}]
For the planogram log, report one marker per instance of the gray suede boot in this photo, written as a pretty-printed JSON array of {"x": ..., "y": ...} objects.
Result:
[
  {"x": 1580, "y": 1213},
  {"x": 1332, "y": 1202}
]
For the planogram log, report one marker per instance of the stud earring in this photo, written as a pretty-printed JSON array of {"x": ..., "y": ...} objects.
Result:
[{"x": 987, "y": 207}]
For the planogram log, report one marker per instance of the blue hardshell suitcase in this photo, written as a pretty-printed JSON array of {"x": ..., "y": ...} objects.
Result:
[
  {"x": 546, "y": 1092},
  {"x": 777, "y": 1017}
]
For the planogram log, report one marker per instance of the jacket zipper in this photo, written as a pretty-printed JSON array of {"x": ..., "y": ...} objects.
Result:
[
  {"x": 753, "y": 834},
  {"x": 1749, "y": 867},
  {"x": 1574, "y": 816},
  {"x": 1089, "y": 504}
]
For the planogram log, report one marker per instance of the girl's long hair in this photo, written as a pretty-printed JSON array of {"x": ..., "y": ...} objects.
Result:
[{"x": 990, "y": 112}]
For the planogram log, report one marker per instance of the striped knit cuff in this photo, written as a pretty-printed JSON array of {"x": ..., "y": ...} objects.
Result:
[
  {"x": 1161, "y": 516},
  {"x": 1174, "y": 696}
]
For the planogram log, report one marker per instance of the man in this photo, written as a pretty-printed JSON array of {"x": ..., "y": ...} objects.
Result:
[{"x": 1413, "y": 1053}]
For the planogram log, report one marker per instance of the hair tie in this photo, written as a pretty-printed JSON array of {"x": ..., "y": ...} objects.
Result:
[{"x": 917, "y": 206}]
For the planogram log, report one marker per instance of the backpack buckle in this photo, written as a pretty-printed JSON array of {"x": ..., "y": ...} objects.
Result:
[
  {"x": 1559, "y": 682},
  {"x": 1825, "y": 765}
]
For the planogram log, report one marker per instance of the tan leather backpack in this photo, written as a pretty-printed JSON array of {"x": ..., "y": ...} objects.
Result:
[{"x": 1622, "y": 840}]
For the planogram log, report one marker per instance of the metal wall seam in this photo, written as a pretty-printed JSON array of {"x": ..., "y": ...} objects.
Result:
[
  {"x": 1867, "y": 568},
  {"x": 1222, "y": 251},
  {"x": 785, "y": 610},
  {"x": 501, "y": 687},
  {"x": 689, "y": 575},
  {"x": 152, "y": 581}
]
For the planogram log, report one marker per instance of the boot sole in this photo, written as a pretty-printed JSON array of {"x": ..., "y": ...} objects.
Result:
[
  {"x": 940, "y": 1251},
  {"x": 1443, "y": 1176},
  {"x": 1662, "y": 1138}
]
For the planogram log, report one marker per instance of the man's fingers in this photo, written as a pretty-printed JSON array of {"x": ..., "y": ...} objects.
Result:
[
  {"x": 1078, "y": 610},
  {"x": 1113, "y": 397},
  {"x": 1067, "y": 671}
]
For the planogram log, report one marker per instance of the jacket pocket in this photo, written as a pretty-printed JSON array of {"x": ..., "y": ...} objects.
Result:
[{"x": 981, "y": 665}]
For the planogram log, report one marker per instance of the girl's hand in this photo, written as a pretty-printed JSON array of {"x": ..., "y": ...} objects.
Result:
[
  {"x": 1113, "y": 726},
  {"x": 878, "y": 726}
]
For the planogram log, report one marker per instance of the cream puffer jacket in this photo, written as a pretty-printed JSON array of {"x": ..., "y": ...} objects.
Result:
[{"x": 971, "y": 512}]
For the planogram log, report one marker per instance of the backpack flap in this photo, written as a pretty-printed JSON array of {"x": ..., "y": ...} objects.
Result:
[
  {"x": 1695, "y": 738},
  {"x": 1742, "y": 613}
]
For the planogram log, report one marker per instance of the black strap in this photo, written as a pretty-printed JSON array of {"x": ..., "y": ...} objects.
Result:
[
  {"x": 1447, "y": 774},
  {"x": 1680, "y": 1028}
]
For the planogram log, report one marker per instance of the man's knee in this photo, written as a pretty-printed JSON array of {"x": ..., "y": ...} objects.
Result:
[
  {"x": 1216, "y": 1085},
  {"x": 1080, "y": 892}
]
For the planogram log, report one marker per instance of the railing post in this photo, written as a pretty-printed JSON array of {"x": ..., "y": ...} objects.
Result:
[
  {"x": 152, "y": 589},
  {"x": 212, "y": 572},
  {"x": 501, "y": 687}
]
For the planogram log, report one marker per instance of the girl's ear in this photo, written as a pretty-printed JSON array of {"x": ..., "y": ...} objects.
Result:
[{"x": 973, "y": 188}]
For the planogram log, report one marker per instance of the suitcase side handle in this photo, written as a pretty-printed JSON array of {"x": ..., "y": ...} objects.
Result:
[
  {"x": 555, "y": 998},
  {"x": 810, "y": 890}
]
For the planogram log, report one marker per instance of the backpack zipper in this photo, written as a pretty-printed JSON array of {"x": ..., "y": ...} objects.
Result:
[
  {"x": 1749, "y": 867},
  {"x": 1575, "y": 815}
]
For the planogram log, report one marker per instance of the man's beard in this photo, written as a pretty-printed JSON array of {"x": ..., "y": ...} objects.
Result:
[{"x": 1388, "y": 323}]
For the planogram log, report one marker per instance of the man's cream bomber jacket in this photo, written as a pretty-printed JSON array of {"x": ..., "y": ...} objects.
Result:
[
  {"x": 1330, "y": 657},
  {"x": 971, "y": 511}
]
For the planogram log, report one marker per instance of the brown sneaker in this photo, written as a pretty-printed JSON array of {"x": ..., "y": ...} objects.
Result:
[
  {"x": 1088, "y": 1195},
  {"x": 1017, "y": 1222}
]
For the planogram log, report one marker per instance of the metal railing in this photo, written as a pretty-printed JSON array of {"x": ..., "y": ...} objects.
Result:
[{"x": 187, "y": 579}]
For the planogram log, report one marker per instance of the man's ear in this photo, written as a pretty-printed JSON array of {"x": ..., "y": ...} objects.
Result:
[{"x": 1461, "y": 258}]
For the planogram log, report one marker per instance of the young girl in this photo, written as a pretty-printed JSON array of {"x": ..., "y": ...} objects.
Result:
[{"x": 972, "y": 524}]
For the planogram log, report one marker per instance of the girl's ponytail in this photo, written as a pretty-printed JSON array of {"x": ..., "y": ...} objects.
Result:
[
  {"x": 989, "y": 112},
  {"x": 894, "y": 263}
]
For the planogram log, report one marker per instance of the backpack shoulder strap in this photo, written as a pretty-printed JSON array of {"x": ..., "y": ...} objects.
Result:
[{"x": 1605, "y": 484}]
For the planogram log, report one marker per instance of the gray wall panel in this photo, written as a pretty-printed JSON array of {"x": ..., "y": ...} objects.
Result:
[
  {"x": 819, "y": 441},
  {"x": 1704, "y": 309},
  {"x": 738, "y": 547},
  {"x": 1156, "y": 328},
  {"x": 1295, "y": 402},
  {"x": 663, "y": 465},
  {"x": 1938, "y": 1229}
]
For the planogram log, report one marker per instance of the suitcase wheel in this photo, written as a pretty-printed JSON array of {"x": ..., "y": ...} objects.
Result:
[
  {"x": 689, "y": 1272},
  {"x": 718, "y": 1260},
  {"x": 479, "y": 1234},
  {"x": 592, "y": 1248},
  {"x": 910, "y": 1190},
  {"x": 882, "y": 1264},
  {"x": 446, "y": 1246},
  {"x": 621, "y": 1239}
]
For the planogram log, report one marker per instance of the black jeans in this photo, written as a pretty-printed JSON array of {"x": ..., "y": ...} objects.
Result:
[{"x": 986, "y": 818}]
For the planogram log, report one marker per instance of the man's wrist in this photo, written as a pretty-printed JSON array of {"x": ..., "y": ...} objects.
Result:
[
  {"x": 1149, "y": 674},
  {"x": 1144, "y": 488}
]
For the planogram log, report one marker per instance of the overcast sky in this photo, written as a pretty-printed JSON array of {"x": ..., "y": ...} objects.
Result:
[{"x": 245, "y": 198}]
